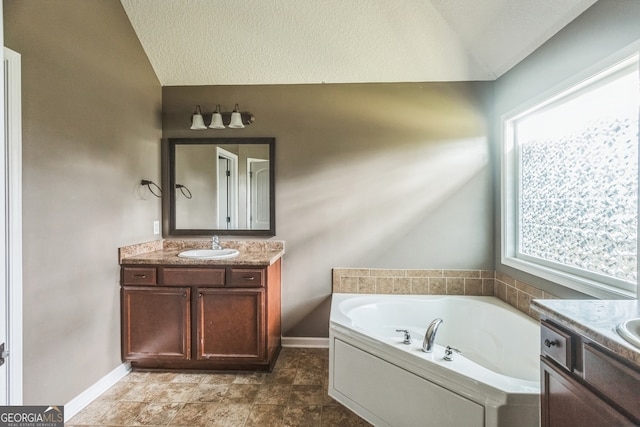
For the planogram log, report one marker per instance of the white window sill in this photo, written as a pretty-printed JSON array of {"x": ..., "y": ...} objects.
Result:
[{"x": 587, "y": 287}]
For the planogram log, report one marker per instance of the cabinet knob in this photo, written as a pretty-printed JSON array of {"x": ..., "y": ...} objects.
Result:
[
  {"x": 549, "y": 344},
  {"x": 184, "y": 295},
  {"x": 249, "y": 278},
  {"x": 140, "y": 276},
  {"x": 199, "y": 295}
]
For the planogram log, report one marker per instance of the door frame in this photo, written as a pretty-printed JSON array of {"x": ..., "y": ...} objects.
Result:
[
  {"x": 12, "y": 168},
  {"x": 232, "y": 190}
]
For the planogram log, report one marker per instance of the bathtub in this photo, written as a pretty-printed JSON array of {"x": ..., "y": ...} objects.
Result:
[{"x": 494, "y": 382}]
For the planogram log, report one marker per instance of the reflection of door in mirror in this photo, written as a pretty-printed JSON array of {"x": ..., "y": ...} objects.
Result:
[
  {"x": 227, "y": 190},
  {"x": 258, "y": 194}
]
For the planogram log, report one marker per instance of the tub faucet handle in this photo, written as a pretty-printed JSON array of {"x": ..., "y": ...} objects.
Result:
[
  {"x": 448, "y": 353},
  {"x": 407, "y": 336}
]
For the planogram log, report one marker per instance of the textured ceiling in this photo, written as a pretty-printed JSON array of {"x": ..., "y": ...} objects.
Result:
[{"x": 225, "y": 42}]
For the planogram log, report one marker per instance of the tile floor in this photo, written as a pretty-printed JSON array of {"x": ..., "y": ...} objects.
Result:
[{"x": 294, "y": 394}]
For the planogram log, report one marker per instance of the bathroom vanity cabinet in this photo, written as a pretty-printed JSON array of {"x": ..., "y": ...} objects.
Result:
[
  {"x": 201, "y": 316},
  {"x": 583, "y": 383}
]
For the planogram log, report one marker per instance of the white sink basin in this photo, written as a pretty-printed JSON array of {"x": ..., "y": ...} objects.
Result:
[
  {"x": 209, "y": 254},
  {"x": 630, "y": 331}
]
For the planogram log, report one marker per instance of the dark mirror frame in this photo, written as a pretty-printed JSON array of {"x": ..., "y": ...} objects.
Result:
[{"x": 169, "y": 183}]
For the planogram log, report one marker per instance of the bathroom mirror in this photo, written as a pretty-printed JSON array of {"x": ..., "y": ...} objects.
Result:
[{"x": 221, "y": 186}]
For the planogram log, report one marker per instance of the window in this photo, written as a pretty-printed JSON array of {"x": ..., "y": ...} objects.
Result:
[{"x": 570, "y": 180}]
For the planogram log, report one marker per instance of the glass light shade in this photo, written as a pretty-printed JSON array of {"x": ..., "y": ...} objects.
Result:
[
  {"x": 236, "y": 119},
  {"x": 216, "y": 119},
  {"x": 197, "y": 122}
]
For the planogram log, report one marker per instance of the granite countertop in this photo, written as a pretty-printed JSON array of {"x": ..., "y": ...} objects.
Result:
[
  {"x": 165, "y": 252},
  {"x": 596, "y": 320}
]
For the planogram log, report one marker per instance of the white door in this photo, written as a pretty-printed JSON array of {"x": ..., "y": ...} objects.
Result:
[
  {"x": 259, "y": 194},
  {"x": 4, "y": 287},
  {"x": 11, "y": 232}
]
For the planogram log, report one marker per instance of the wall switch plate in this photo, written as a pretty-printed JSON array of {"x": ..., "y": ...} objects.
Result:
[{"x": 156, "y": 227}]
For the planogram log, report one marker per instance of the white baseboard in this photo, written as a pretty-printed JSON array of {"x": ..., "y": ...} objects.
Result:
[
  {"x": 306, "y": 342},
  {"x": 79, "y": 402}
]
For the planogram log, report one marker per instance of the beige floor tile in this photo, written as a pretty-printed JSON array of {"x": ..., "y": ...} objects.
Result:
[
  {"x": 188, "y": 378},
  {"x": 241, "y": 394},
  {"x": 211, "y": 393},
  {"x": 195, "y": 415},
  {"x": 273, "y": 394},
  {"x": 282, "y": 376},
  {"x": 92, "y": 413},
  {"x": 303, "y": 416},
  {"x": 123, "y": 391},
  {"x": 287, "y": 359},
  {"x": 172, "y": 392},
  {"x": 309, "y": 376},
  {"x": 265, "y": 415},
  {"x": 312, "y": 361},
  {"x": 136, "y": 377},
  {"x": 164, "y": 377},
  {"x": 294, "y": 394},
  {"x": 230, "y": 415},
  {"x": 339, "y": 416},
  {"x": 219, "y": 378},
  {"x": 121, "y": 413},
  {"x": 250, "y": 378},
  {"x": 157, "y": 414},
  {"x": 306, "y": 395}
]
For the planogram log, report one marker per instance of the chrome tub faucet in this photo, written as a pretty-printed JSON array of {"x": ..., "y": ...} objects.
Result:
[{"x": 430, "y": 336}]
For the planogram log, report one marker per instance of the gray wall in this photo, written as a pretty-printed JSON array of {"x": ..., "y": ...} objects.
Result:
[
  {"x": 606, "y": 27},
  {"x": 367, "y": 175},
  {"x": 91, "y": 131}
]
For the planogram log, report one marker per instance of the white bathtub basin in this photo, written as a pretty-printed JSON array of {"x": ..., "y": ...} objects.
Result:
[
  {"x": 209, "y": 254},
  {"x": 495, "y": 382},
  {"x": 630, "y": 331}
]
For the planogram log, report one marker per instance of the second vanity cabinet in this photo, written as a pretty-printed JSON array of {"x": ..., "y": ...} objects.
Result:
[
  {"x": 201, "y": 317},
  {"x": 584, "y": 384}
]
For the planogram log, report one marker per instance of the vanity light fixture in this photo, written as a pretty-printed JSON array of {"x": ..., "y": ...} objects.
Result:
[
  {"x": 235, "y": 119},
  {"x": 197, "y": 121},
  {"x": 216, "y": 119}
]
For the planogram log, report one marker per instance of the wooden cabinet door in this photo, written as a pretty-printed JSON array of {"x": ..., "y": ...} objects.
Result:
[
  {"x": 230, "y": 324},
  {"x": 567, "y": 403},
  {"x": 156, "y": 323}
]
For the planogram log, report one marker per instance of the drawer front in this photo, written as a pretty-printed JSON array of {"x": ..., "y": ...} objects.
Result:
[
  {"x": 193, "y": 276},
  {"x": 139, "y": 276},
  {"x": 613, "y": 379},
  {"x": 246, "y": 277},
  {"x": 556, "y": 344}
]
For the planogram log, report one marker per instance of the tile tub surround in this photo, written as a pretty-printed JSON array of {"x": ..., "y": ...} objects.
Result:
[
  {"x": 252, "y": 252},
  {"x": 438, "y": 282},
  {"x": 596, "y": 320},
  {"x": 294, "y": 394}
]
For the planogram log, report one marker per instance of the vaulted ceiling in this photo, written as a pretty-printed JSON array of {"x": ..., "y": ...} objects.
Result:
[{"x": 225, "y": 42}]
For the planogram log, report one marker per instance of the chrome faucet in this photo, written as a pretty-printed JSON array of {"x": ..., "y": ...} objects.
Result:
[
  {"x": 215, "y": 243},
  {"x": 430, "y": 336}
]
